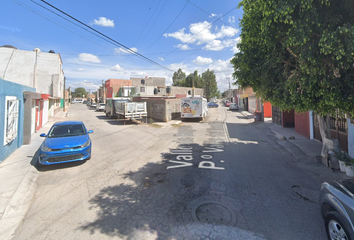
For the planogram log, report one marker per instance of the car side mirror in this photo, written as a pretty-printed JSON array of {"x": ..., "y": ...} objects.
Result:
[
  {"x": 42, "y": 135},
  {"x": 90, "y": 131}
]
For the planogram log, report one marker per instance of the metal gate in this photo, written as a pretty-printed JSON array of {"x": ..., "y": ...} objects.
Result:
[
  {"x": 277, "y": 115},
  {"x": 339, "y": 130}
]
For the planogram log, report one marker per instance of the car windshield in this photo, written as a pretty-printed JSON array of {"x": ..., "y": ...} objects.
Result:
[{"x": 66, "y": 130}]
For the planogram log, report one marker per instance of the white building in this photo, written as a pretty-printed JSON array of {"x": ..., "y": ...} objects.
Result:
[{"x": 40, "y": 70}]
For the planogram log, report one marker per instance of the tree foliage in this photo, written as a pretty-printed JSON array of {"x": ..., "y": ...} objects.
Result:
[
  {"x": 79, "y": 92},
  {"x": 298, "y": 53},
  {"x": 210, "y": 86},
  {"x": 207, "y": 81},
  {"x": 179, "y": 78}
]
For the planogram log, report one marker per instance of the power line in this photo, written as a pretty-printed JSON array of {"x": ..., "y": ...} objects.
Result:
[
  {"x": 24, "y": 6},
  {"x": 154, "y": 21},
  {"x": 209, "y": 14},
  {"x": 168, "y": 26},
  {"x": 105, "y": 36}
]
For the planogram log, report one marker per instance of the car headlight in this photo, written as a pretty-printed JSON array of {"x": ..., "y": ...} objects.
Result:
[
  {"x": 86, "y": 144},
  {"x": 44, "y": 148}
]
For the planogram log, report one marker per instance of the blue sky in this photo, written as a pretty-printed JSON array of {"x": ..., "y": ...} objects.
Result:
[{"x": 191, "y": 35}]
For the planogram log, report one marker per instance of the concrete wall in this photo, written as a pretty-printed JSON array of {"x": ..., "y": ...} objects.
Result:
[
  {"x": 12, "y": 89},
  {"x": 162, "y": 109},
  {"x": 150, "y": 81},
  {"x": 33, "y": 69},
  {"x": 183, "y": 91}
]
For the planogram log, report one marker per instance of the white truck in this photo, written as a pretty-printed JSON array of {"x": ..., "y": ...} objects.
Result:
[
  {"x": 131, "y": 110},
  {"x": 194, "y": 107}
]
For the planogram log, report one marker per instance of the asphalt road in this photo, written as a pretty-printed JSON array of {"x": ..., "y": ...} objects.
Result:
[{"x": 223, "y": 178}]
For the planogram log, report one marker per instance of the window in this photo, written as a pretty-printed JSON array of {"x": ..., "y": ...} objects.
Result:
[
  {"x": 11, "y": 119},
  {"x": 142, "y": 89}
]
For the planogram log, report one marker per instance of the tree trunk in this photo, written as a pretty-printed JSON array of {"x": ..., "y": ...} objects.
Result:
[{"x": 325, "y": 131}]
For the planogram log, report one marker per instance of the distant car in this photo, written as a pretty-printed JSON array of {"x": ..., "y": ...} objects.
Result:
[
  {"x": 337, "y": 208},
  {"x": 93, "y": 105},
  {"x": 66, "y": 141},
  {"x": 233, "y": 107},
  {"x": 227, "y": 103},
  {"x": 84, "y": 102},
  {"x": 100, "y": 107},
  {"x": 212, "y": 105}
]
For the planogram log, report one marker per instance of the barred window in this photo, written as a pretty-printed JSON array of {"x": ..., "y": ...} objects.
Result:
[
  {"x": 11, "y": 119},
  {"x": 142, "y": 89}
]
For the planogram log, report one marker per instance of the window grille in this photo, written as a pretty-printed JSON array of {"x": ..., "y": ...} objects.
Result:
[{"x": 11, "y": 119}]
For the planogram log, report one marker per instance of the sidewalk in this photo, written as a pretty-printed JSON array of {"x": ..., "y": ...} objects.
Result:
[
  {"x": 311, "y": 148},
  {"x": 18, "y": 181}
]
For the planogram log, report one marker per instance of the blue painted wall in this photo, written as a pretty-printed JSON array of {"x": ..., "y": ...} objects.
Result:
[
  {"x": 11, "y": 89},
  {"x": 350, "y": 138}
]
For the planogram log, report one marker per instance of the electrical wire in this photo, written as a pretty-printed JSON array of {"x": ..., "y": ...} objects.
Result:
[
  {"x": 110, "y": 40},
  {"x": 154, "y": 21},
  {"x": 168, "y": 26},
  {"x": 41, "y": 15}
]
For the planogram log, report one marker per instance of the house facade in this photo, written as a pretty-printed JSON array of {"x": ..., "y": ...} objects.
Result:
[
  {"x": 36, "y": 70},
  {"x": 12, "y": 116}
]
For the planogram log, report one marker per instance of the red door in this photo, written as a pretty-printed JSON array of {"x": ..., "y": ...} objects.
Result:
[{"x": 39, "y": 114}]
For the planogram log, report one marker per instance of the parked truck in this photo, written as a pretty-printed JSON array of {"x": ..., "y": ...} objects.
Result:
[
  {"x": 131, "y": 110},
  {"x": 194, "y": 107},
  {"x": 111, "y": 103}
]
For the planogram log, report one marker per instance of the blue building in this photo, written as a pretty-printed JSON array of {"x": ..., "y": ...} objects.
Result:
[{"x": 13, "y": 98}]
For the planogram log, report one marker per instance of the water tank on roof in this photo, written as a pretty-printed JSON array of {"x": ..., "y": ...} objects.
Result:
[
  {"x": 8, "y": 46},
  {"x": 37, "y": 50},
  {"x": 51, "y": 51}
]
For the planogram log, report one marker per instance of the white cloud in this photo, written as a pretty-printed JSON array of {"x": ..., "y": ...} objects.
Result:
[
  {"x": 78, "y": 69},
  {"x": 125, "y": 51},
  {"x": 232, "y": 19},
  {"x": 176, "y": 66},
  {"x": 202, "y": 33},
  {"x": 215, "y": 45},
  {"x": 183, "y": 46},
  {"x": 202, "y": 61},
  {"x": 227, "y": 32},
  {"x": 214, "y": 15},
  {"x": 88, "y": 57},
  {"x": 161, "y": 59},
  {"x": 103, "y": 22},
  {"x": 116, "y": 68},
  {"x": 182, "y": 36}
]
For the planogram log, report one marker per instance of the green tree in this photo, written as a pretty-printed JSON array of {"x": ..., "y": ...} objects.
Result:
[
  {"x": 79, "y": 92},
  {"x": 299, "y": 54},
  {"x": 179, "y": 78},
  {"x": 210, "y": 85}
]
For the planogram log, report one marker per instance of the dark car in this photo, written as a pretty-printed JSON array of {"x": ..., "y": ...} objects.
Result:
[
  {"x": 337, "y": 208},
  {"x": 66, "y": 141},
  {"x": 212, "y": 105}
]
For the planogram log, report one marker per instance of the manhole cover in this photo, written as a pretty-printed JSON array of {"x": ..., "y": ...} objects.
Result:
[
  {"x": 213, "y": 209},
  {"x": 213, "y": 213}
]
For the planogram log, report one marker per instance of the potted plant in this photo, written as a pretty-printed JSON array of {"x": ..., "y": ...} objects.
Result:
[{"x": 343, "y": 159}]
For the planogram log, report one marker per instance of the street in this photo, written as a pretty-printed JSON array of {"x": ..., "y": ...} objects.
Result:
[{"x": 226, "y": 177}]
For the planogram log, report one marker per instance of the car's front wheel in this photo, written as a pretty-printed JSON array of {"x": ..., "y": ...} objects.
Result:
[{"x": 335, "y": 227}]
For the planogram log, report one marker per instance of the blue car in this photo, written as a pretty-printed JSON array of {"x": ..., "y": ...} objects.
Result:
[
  {"x": 66, "y": 141},
  {"x": 213, "y": 105}
]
